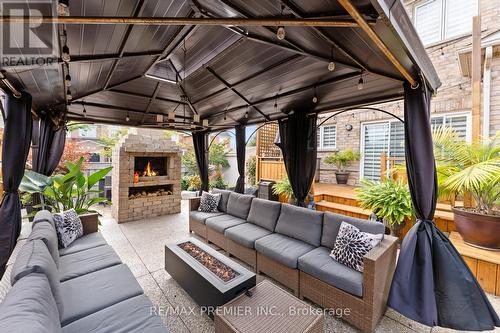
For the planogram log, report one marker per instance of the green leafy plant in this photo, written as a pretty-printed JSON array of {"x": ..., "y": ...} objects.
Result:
[
  {"x": 194, "y": 183},
  {"x": 389, "y": 200},
  {"x": 468, "y": 168},
  {"x": 218, "y": 181},
  {"x": 109, "y": 142},
  {"x": 252, "y": 170},
  {"x": 65, "y": 191},
  {"x": 26, "y": 199},
  {"x": 217, "y": 157},
  {"x": 283, "y": 187},
  {"x": 341, "y": 159},
  {"x": 185, "y": 183}
]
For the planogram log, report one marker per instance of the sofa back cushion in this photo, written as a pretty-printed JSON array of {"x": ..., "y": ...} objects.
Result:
[
  {"x": 224, "y": 197},
  {"x": 300, "y": 223},
  {"x": 264, "y": 213},
  {"x": 34, "y": 257},
  {"x": 239, "y": 204},
  {"x": 332, "y": 222},
  {"x": 45, "y": 231},
  {"x": 44, "y": 216},
  {"x": 30, "y": 307}
]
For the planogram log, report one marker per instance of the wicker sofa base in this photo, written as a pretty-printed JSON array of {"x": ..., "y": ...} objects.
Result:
[
  {"x": 198, "y": 228},
  {"x": 285, "y": 275},
  {"x": 241, "y": 252},
  {"x": 216, "y": 238},
  {"x": 354, "y": 310}
]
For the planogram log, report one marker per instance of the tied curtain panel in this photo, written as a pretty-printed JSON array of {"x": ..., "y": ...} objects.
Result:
[
  {"x": 298, "y": 144},
  {"x": 240, "y": 157},
  {"x": 432, "y": 284},
  {"x": 200, "y": 143},
  {"x": 48, "y": 146},
  {"x": 16, "y": 146}
]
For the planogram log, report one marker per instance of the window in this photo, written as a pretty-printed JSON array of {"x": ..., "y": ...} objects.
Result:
[
  {"x": 327, "y": 137},
  {"x": 388, "y": 137},
  {"x": 94, "y": 158},
  {"x": 436, "y": 20}
]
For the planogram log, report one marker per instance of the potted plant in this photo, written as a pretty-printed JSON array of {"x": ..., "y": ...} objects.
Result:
[
  {"x": 473, "y": 169},
  {"x": 389, "y": 200},
  {"x": 341, "y": 160},
  {"x": 284, "y": 188},
  {"x": 65, "y": 191}
]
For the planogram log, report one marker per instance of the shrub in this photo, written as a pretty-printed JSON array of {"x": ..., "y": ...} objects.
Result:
[
  {"x": 251, "y": 170},
  {"x": 341, "y": 159}
]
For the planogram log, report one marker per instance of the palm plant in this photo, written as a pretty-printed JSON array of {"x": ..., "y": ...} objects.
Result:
[
  {"x": 283, "y": 187},
  {"x": 468, "y": 168},
  {"x": 62, "y": 192}
]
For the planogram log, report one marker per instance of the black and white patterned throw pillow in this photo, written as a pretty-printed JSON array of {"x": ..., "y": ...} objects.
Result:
[
  {"x": 352, "y": 244},
  {"x": 68, "y": 226},
  {"x": 209, "y": 202}
]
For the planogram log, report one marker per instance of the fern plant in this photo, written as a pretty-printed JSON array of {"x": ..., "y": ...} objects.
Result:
[
  {"x": 388, "y": 199},
  {"x": 468, "y": 168}
]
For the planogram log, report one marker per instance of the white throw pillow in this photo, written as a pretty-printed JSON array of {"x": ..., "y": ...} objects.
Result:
[
  {"x": 351, "y": 245},
  {"x": 209, "y": 202},
  {"x": 68, "y": 226}
]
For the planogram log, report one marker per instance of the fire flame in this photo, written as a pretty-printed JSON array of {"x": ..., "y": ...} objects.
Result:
[{"x": 148, "y": 171}]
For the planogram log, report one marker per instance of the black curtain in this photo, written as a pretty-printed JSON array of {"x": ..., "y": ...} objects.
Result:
[
  {"x": 16, "y": 145},
  {"x": 432, "y": 284},
  {"x": 298, "y": 143},
  {"x": 200, "y": 143},
  {"x": 48, "y": 146},
  {"x": 240, "y": 157}
]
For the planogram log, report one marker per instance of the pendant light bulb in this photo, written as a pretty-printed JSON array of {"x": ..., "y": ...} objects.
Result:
[
  {"x": 246, "y": 115},
  {"x": 331, "y": 66},
  {"x": 127, "y": 118},
  {"x": 281, "y": 33},
  {"x": 65, "y": 54},
  {"x": 63, "y": 8},
  {"x": 360, "y": 83},
  {"x": 69, "y": 95},
  {"x": 315, "y": 99},
  {"x": 84, "y": 112}
]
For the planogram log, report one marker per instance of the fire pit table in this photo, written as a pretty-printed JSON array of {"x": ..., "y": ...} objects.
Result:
[{"x": 209, "y": 277}]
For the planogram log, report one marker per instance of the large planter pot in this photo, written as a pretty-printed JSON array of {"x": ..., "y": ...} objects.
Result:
[
  {"x": 478, "y": 229},
  {"x": 342, "y": 177}
]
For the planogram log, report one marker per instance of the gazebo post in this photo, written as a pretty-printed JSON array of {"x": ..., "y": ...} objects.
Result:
[{"x": 200, "y": 143}]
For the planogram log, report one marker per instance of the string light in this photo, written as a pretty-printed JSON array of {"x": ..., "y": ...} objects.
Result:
[
  {"x": 360, "y": 83},
  {"x": 69, "y": 96},
  {"x": 68, "y": 80},
  {"x": 315, "y": 97},
  {"x": 84, "y": 112},
  {"x": 331, "y": 64},
  {"x": 127, "y": 118},
  {"x": 281, "y": 33}
]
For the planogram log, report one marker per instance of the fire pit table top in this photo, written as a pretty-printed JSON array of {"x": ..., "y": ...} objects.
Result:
[{"x": 268, "y": 309}]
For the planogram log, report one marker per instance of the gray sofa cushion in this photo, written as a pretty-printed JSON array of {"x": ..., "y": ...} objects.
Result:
[
  {"x": 264, "y": 213},
  {"x": 224, "y": 197},
  {"x": 133, "y": 315},
  {"x": 46, "y": 216},
  {"x": 331, "y": 226},
  {"x": 246, "y": 234},
  {"x": 221, "y": 223},
  {"x": 300, "y": 223},
  {"x": 283, "y": 249},
  {"x": 88, "y": 261},
  {"x": 92, "y": 292},
  {"x": 319, "y": 264},
  {"x": 84, "y": 243},
  {"x": 35, "y": 258},
  {"x": 30, "y": 307},
  {"x": 45, "y": 231},
  {"x": 239, "y": 204},
  {"x": 200, "y": 217}
]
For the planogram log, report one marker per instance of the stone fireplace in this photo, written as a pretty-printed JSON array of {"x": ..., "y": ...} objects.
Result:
[{"x": 146, "y": 177}]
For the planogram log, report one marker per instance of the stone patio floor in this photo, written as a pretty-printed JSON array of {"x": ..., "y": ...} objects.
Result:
[{"x": 140, "y": 244}]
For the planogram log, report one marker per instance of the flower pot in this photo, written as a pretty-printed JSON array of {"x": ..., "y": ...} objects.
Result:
[
  {"x": 478, "y": 229},
  {"x": 342, "y": 177}
]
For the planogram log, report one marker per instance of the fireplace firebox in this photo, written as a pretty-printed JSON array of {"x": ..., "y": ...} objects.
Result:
[{"x": 147, "y": 166}]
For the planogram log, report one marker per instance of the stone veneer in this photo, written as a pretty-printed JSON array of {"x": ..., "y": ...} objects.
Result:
[{"x": 131, "y": 145}]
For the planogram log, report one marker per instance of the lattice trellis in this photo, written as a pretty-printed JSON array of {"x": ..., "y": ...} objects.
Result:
[{"x": 265, "y": 138}]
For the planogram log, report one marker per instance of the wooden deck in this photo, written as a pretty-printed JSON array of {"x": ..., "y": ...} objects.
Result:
[{"x": 342, "y": 199}]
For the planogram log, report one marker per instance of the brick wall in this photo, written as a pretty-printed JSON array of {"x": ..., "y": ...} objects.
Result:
[{"x": 453, "y": 96}]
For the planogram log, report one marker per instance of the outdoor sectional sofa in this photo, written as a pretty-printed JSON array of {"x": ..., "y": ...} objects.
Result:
[
  {"x": 82, "y": 288},
  {"x": 292, "y": 245}
]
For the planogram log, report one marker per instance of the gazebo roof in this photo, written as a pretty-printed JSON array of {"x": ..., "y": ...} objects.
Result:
[{"x": 228, "y": 74}]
